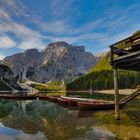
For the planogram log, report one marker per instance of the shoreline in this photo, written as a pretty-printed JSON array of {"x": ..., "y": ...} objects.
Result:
[{"x": 121, "y": 91}]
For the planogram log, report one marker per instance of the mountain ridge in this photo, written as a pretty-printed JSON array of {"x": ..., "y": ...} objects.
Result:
[{"x": 58, "y": 61}]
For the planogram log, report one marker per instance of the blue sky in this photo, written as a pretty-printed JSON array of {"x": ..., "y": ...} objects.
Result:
[{"x": 96, "y": 24}]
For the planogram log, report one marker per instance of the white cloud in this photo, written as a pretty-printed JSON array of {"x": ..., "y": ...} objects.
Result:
[
  {"x": 14, "y": 7},
  {"x": 59, "y": 8},
  {"x": 3, "y": 14},
  {"x": 31, "y": 43},
  {"x": 27, "y": 38},
  {"x": 57, "y": 26},
  {"x": 60, "y": 26},
  {"x": 86, "y": 28},
  {"x": 6, "y": 42},
  {"x": 20, "y": 30},
  {"x": 80, "y": 38},
  {"x": 2, "y": 57}
]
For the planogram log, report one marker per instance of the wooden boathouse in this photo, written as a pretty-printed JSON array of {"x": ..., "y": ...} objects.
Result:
[{"x": 125, "y": 55}]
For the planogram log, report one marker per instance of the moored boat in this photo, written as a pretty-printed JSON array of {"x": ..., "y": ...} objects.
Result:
[
  {"x": 62, "y": 101},
  {"x": 97, "y": 105},
  {"x": 53, "y": 98},
  {"x": 72, "y": 101},
  {"x": 42, "y": 97},
  {"x": 17, "y": 96}
]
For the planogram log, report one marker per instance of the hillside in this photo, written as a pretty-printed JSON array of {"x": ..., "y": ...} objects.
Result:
[
  {"x": 101, "y": 77},
  {"x": 102, "y": 65}
]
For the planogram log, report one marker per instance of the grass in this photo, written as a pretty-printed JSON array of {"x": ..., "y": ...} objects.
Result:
[{"x": 54, "y": 86}]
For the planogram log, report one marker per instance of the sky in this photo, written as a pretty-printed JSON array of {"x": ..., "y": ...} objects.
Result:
[{"x": 95, "y": 24}]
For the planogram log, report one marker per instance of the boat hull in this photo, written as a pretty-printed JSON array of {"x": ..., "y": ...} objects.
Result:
[
  {"x": 72, "y": 102},
  {"x": 43, "y": 97},
  {"x": 63, "y": 101},
  {"x": 53, "y": 99},
  {"x": 96, "y": 106},
  {"x": 18, "y": 97}
]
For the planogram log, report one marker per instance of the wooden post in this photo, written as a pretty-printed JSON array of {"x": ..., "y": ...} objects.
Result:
[{"x": 117, "y": 110}]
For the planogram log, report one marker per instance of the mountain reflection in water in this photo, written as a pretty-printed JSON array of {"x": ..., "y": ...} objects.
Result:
[{"x": 46, "y": 121}]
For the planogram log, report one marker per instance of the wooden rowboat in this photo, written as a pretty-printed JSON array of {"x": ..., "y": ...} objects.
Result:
[
  {"x": 43, "y": 97},
  {"x": 72, "y": 101},
  {"x": 62, "y": 101},
  {"x": 53, "y": 99},
  {"x": 17, "y": 97},
  {"x": 69, "y": 100},
  {"x": 97, "y": 105}
]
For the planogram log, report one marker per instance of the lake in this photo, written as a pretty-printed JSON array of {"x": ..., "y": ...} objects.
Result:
[{"x": 43, "y": 120}]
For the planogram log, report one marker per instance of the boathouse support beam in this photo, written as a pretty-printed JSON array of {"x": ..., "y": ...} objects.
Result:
[{"x": 116, "y": 88}]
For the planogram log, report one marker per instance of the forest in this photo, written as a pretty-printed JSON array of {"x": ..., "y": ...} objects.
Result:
[{"x": 101, "y": 77}]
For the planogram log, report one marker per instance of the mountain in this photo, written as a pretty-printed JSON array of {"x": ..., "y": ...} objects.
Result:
[
  {"x": 101, "y": 77},
  {"x": 58, "y": 61},
  {"x": 7, "y": 81},
  {"x": 100, "y": 55}
]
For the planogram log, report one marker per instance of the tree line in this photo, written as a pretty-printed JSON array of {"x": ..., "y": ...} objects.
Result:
[{"x": 101, "y": 77}]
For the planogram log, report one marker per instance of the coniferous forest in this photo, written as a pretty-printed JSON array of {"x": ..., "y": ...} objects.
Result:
[{"x": 101, "y": 77}]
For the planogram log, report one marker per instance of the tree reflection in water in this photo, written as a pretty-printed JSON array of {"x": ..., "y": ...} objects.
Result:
[{"x": 49, "y": 119}]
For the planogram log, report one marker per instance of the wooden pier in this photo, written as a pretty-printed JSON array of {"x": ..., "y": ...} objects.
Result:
[{"x": 124, "y": 54}]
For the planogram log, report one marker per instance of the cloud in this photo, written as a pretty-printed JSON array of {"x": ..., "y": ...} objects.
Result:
[
  {"x": 19, "y": 29},
  {"x": 34, "y": 39},
  {"x": 26, "y": 37},
  {"x": 14, "y": 8},
  {"x": 3, "y": 14},
  {"x": 33, "y": 43},
  {"x": 6, "y": 42},
  {"x": 2, "y": 57},
  {"x": 115, "y": 19},
  {"x": 80, "y": 38},
  {"x": 61, "y": 26},
  {"x": 57, "y": 26},
  {"x": 59, "y": 8}
]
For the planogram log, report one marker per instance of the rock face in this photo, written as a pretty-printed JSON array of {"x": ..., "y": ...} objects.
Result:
[
  {"x": 5, "y": 72},
  {"x": 7, "y": 81},
  {"x": 59, "y": 61}
]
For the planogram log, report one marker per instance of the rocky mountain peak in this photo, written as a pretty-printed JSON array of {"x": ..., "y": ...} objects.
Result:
[
  {"x": 59, "y": 44},
  {"x": 31, "y": 51},
  {"x": 59, "y": 61},
  {"x": 101, "y": 54},
  {"x": 80, "y": 48}
]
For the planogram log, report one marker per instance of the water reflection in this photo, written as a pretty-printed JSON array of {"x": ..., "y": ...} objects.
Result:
[{"x": 44, "y": 120}]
